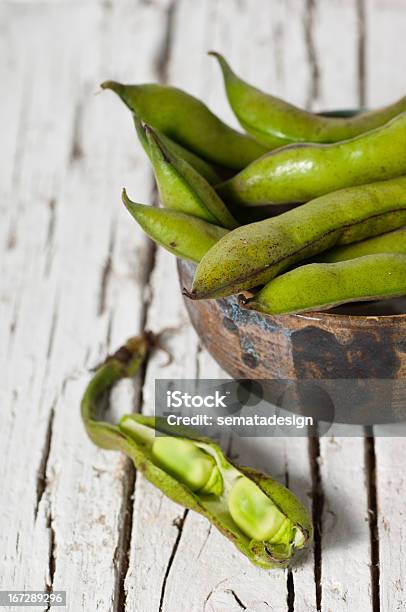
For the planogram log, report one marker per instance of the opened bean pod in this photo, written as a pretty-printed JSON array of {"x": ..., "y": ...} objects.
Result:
[
  {"x": 299, "y": 173},
  {"x": 262, "y": 518},
  {"x": 253, "y": 254},
  {"x": 276, "y": 122}
]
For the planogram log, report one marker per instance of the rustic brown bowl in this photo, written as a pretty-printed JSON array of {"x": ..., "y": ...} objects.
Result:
[{"x": 360, "y": 343}]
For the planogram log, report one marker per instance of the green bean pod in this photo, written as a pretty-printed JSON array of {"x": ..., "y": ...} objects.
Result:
[
  {"x": 200, "y": 165},
  {"x": 320, "y": 286},
  {"x": 299, "y": 173},
  {"x": 253, "y": 254},
  {"x": 262, "y": 518},
  {"x": 276, "y": 123},
  {"x": 189, "y": 122},
  {"x": 182, "y": 188},
  {"x": 391, "y": 242},
  {"x": 183, "y": 235}
]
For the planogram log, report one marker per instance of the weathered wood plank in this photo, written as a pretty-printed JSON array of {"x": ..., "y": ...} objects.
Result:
[
  {"x": 333, "y": 37},
  {"x": 390, "y": 482},
  {"x": 385, "y": 24},
  {"x": 72, "y": 274},
  {"x": 344, "y": 583},
  {"x": 27, "y": 422}
]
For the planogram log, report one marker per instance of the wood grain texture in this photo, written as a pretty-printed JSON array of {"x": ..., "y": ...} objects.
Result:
[
  {"x": 385, "y": 46},
  {"x": 72, "y": 287},
  {"x": 78, "y": 278}
]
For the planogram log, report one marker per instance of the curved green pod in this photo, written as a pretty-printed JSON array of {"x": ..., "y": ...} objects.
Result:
[
  {"x": 276, "y": 123},
  {"x": 392, "y": 242},
  {"x": 299, "y": 173},
  {"x": 185, "y": 236},
  {"x": 253, "y": 254},
  {"x": 194, "y": 472},
  {"x": 182, "y": 188},
  {"x": 189, "y": 122},
  {"x": 320, "y": 286},
  {"x": 205, "y": 169}
]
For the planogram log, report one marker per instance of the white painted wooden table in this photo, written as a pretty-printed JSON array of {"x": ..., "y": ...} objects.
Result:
[{"x": 77, "y": 279}]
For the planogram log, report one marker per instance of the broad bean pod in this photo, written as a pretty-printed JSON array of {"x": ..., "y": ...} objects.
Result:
[
  {"x": 189, "y": 122},
  {"x": 320, "y": 286},
  {"x": 182, "y": 188},
  {"x": 262, "y": 518},
  {"x": 299, "y": 173},
  {"x": 208, "y": 171},
  {"x": 391, "y": 242},
  {"x": 276, "y": 123},
  {"x": 253, "y": 254},
  {"x": 183, "y": 235}
]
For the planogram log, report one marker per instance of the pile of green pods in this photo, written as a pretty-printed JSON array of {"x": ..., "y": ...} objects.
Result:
[
  {"x": 261, "y": 517},
  {"x": 302, "y": 212},
  {"x": 299, "y": 211}
]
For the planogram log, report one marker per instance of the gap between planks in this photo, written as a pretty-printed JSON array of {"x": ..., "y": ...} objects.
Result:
[
  {"x": 127, "y": 511},
  {"x": 370, "y": 477},
  {"x": 121, "y": 555}
]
